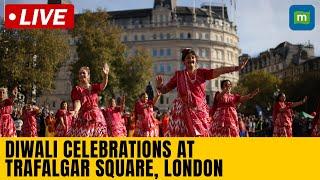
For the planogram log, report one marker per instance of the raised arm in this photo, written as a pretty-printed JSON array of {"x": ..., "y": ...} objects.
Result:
[
  {"x": 223, "y": 70},
  {"x": 295, "y": 104},
  {"x": 105, "y": 72},
  {"x": 163, "y": 89},
  {"x": 157, "y": 97},
  {"x": 250, "y": 95}
]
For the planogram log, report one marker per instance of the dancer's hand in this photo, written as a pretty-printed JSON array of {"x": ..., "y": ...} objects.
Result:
[
  {"x": 243, "y": 64},
  {"x": 305, "y": 99},
  {"x": 158, "y": 93},
  {"x": 159, "y": 81},
  {"x": 105, "y": 69}
]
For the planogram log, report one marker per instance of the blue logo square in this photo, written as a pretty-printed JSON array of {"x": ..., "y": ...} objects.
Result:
[{"x": 301, "y": 17}]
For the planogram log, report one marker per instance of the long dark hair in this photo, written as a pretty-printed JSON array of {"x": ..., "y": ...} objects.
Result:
[
  {"x": 61, "y": 104},
  {"x": 224, "y": 81},
  {"x": 279, "y": 95},
  {"x": 185, "y": 52}
]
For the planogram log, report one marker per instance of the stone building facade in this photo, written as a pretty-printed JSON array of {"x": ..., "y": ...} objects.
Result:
[
  {"x": 285, "y": 61},
  {"x": 166, "y": 29}
]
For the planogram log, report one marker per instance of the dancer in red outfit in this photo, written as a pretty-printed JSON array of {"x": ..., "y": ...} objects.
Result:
[
  {"x": 316, "y": 125},
  {"x": 89, "y": 120},
  {"x": 29, "y": 127},
  {"x": 190, "y": 113},
  {"x": 63, "y": 120},
  {"x": 225, "y": 119},
  {"x": 316, "y": 121},
  {"x": 282, "y": 116},
  {"x": 115, "y": 121},
  {"x": 144, "y": 116},
  {"x": 7, "y": 128}
]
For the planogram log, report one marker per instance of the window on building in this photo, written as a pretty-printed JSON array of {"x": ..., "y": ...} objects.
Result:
[
  {"x": 161, "y": 18},
  {"x": 154, "y": 36},
  {"x": 167, "y": 100},
  {"x": 161, "y": 52},
  {"x": 154, "y": 52},
  {"x": 161, "y": 36},
  {"x": 161, "y": 99},
  {"x": 189, "y": 35},
  {"x": 168, "y": 36},
  {"x": 219, "y": 54},
  {"x": 169, "y": 68},
  {"x": 125, "y": 38},
  {"x": 136, "y": 37},
  {"x": 206, "y": 53},
  {"x": 200, "y": 36},
  {"x": 168, "y": 52},
  {"x": 162, "y": 68},
  {"x": 181, "y": 36},
  {"x": 142, "y": 38},
  {"x": 207, "y": 36}
]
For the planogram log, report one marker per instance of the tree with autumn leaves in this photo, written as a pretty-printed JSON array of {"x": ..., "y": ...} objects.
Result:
[
  {"x": 266, "y": 82},
  {"x": 31, "y": 58}
]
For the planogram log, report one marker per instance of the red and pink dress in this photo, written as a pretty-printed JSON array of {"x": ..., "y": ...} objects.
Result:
[
  {"x": 115, "y": 122},
  {"x": 225, "y": 119},
  {"x": 29, "y": 127},
  {"x": 145, "y": 120},
  {"x": 90, "y": 121},
  {"x": 190, "y": 112},
  {"x": 7, "y": 128},
  {"x": 316, "y": 126},
  {"x": 316, "y": 123},
  {"x": 282, "y": 119},
  {"x": 67, "y": 119}
]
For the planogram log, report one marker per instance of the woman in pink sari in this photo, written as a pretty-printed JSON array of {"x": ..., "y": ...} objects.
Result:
[
  {"x": 115, "y": 121},
  {"x": 63, "y": 120},
  {"x": 7, "y": 128},
  {"x": 225, "y": 119},
  {"x": 29, "y": 127},
  {"x": 282, "y": 116},
  {"x": 89, "y": 120},
  {"x": 315, "y": 132},
  {"x": 190, "y": 113},
  {"x": 144, "y": 117}
]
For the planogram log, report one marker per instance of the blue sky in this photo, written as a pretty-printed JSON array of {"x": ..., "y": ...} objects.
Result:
[{"x": 262, "y": 24}]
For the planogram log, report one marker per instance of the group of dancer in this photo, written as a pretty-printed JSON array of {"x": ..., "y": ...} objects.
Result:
[{"x": 190, "y": 115}]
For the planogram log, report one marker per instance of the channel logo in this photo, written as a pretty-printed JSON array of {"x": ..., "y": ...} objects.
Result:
[
  {"x": 302, "y": 17},
  {"x": 39, "y": 16}
]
